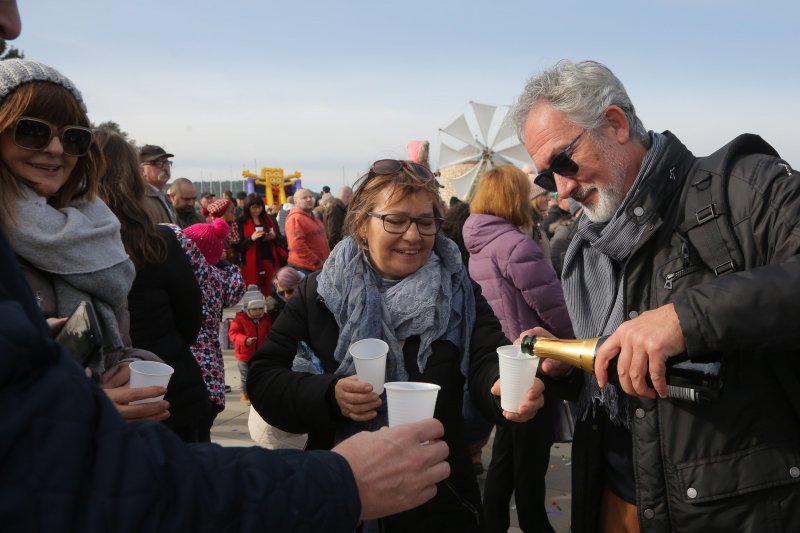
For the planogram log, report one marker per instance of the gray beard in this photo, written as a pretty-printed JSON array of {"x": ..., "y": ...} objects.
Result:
[{"x": 609, "y": 197}]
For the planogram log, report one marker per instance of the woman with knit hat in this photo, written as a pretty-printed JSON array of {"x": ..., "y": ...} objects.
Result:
[
  {"x": 222, "y": 286},
  {"x": 224, "y": 209},
  {"x": 66, "y": 238}
]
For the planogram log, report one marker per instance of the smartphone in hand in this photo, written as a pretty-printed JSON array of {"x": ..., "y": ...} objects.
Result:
[{"x": 81, "y": 335}]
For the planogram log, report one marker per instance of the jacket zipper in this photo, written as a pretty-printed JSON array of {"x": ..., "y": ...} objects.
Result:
[
  {"x": 675, "y": 276},
  {"x": 687, "y": 268}
]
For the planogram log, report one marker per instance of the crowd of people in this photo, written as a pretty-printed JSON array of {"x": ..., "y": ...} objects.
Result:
[{"x": 616, "y": 231}]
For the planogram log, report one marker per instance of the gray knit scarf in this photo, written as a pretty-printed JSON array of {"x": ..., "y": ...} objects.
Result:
[
  {"x": 80, "y": 247},
  {"x": 435, "y": 302},
  {"x": 594, "y": 280}
]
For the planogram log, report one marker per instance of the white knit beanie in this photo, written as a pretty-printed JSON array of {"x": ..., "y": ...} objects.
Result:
[{"x": 17, "y": 72}]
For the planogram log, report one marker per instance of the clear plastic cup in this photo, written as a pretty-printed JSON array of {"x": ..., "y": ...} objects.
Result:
[
  {"x": 410, "y": 401},
  {"x": 517, "y": 372},
  {"x": 149, "y": 373},
  {"x": 369, "y": 357}
]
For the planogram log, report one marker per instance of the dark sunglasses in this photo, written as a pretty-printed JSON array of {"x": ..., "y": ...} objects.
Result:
[
  {"x": 386, "y": 167},
  {"x": 34, "y": 134},
  {"x": 562, "y": 164}
]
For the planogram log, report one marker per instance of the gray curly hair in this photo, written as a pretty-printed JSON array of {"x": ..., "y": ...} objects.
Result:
[{"x": 582, "y": 91}]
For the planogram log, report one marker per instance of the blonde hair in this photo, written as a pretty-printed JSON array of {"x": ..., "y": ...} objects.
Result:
[
  {"x": 58, "y": 106},
  {"x": 503, "y": 192},
  {"x": 369, "y": 188}
]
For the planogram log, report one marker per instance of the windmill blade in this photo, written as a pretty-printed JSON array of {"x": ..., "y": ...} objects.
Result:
[
  {"x": 506, "y": 131},
  {"x": 484, "y": 113},
  {"x": 463, "y": 184},
  {"x": 459, "y": 129},
  {"x": 448, "y": 156},
  {"x": 516, "y": 152}
]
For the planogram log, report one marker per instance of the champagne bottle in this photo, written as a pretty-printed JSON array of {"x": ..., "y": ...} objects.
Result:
[{"x": 686, "y": 380}]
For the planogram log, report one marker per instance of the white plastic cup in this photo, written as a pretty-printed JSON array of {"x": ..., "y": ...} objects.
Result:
[
  {"x": 369, "y": 357},
  {"x": 517, "y": 372},
  {"x": 259, "y": 228},
  {"x": 410, "y": 401},
  {"x": 147, "y": 374}
]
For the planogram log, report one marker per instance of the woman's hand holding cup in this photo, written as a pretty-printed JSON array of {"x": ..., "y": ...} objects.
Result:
[
  {"x": 356, "y": 399},
  {"x": 534, "y": 400}
]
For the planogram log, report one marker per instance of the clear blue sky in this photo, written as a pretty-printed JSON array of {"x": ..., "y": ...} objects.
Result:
[{"x": 327, "y": 87}]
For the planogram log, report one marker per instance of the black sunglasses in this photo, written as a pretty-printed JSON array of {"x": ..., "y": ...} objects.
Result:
[
  {"x": 34, "y": 134},
  {"x": 562, "y": 164},
  {"x": 386, "y": 167}
]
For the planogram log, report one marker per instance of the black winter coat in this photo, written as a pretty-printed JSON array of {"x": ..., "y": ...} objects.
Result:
[
  {"x": 69, "y": 462},
  {"x": 731, "y": 465},
  {"x": 165, "y": 307},
  {"x": 304, "y": 403}
]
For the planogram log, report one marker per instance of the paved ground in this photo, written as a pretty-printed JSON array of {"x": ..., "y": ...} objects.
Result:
[{"x": 230, "y": 429}]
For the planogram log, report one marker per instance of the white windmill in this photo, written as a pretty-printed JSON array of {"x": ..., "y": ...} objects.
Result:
[{"x": 477, "y": 141}]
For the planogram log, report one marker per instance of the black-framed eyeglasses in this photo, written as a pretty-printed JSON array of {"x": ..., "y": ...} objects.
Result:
[
  {"x": 35, "y": 134},
  {"x": 386, "y": 167},
  {"x": 398, "y": 224},
  {"x": 562, "y": 164},
  {"x": 160, "y": 164}
]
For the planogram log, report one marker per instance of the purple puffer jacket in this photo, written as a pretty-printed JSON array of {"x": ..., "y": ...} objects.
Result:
[{"x": 516, "y": 278}]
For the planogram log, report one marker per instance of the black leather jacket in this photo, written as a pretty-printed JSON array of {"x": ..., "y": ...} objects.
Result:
[{"x": 731, "y": 465}]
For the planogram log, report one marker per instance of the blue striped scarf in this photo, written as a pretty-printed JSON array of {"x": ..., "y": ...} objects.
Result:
[{"x": 594, "y": 280}]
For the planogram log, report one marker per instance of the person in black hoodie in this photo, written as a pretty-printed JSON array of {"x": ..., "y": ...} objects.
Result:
[{"x": 164, "y": 301}]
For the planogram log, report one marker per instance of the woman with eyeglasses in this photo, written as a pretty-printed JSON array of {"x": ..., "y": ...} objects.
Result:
[
  {"x": 522, "y": 288},
  {"x": 68, "y": 241},
  {"x": 394, "y": 277}
]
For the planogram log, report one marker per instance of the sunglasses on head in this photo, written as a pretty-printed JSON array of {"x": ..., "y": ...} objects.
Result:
[
  {"x": 386, "y": 167},
  {"x": 562, "y": 164},
  {"x": 34, "y": 134}
]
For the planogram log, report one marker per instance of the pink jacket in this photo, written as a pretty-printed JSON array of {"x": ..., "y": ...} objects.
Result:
[{"x": 516, "y": 278}]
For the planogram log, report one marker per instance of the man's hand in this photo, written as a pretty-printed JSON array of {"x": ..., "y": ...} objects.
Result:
[
  {"x": 393, "y": 471},
  {"x": 643, "y": 346},
  {"x": 527, "y": 409},
  {"x": 549, "y": 367},
  {"x": 356, "y": 399}
]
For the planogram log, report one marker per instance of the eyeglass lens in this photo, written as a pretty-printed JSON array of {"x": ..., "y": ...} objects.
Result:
[{"x": 36, "y": 135}]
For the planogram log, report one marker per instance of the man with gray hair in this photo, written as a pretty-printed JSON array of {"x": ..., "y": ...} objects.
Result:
[
  {"x": 675, "y": 257},
  {"x": 183, "y": 195}
]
